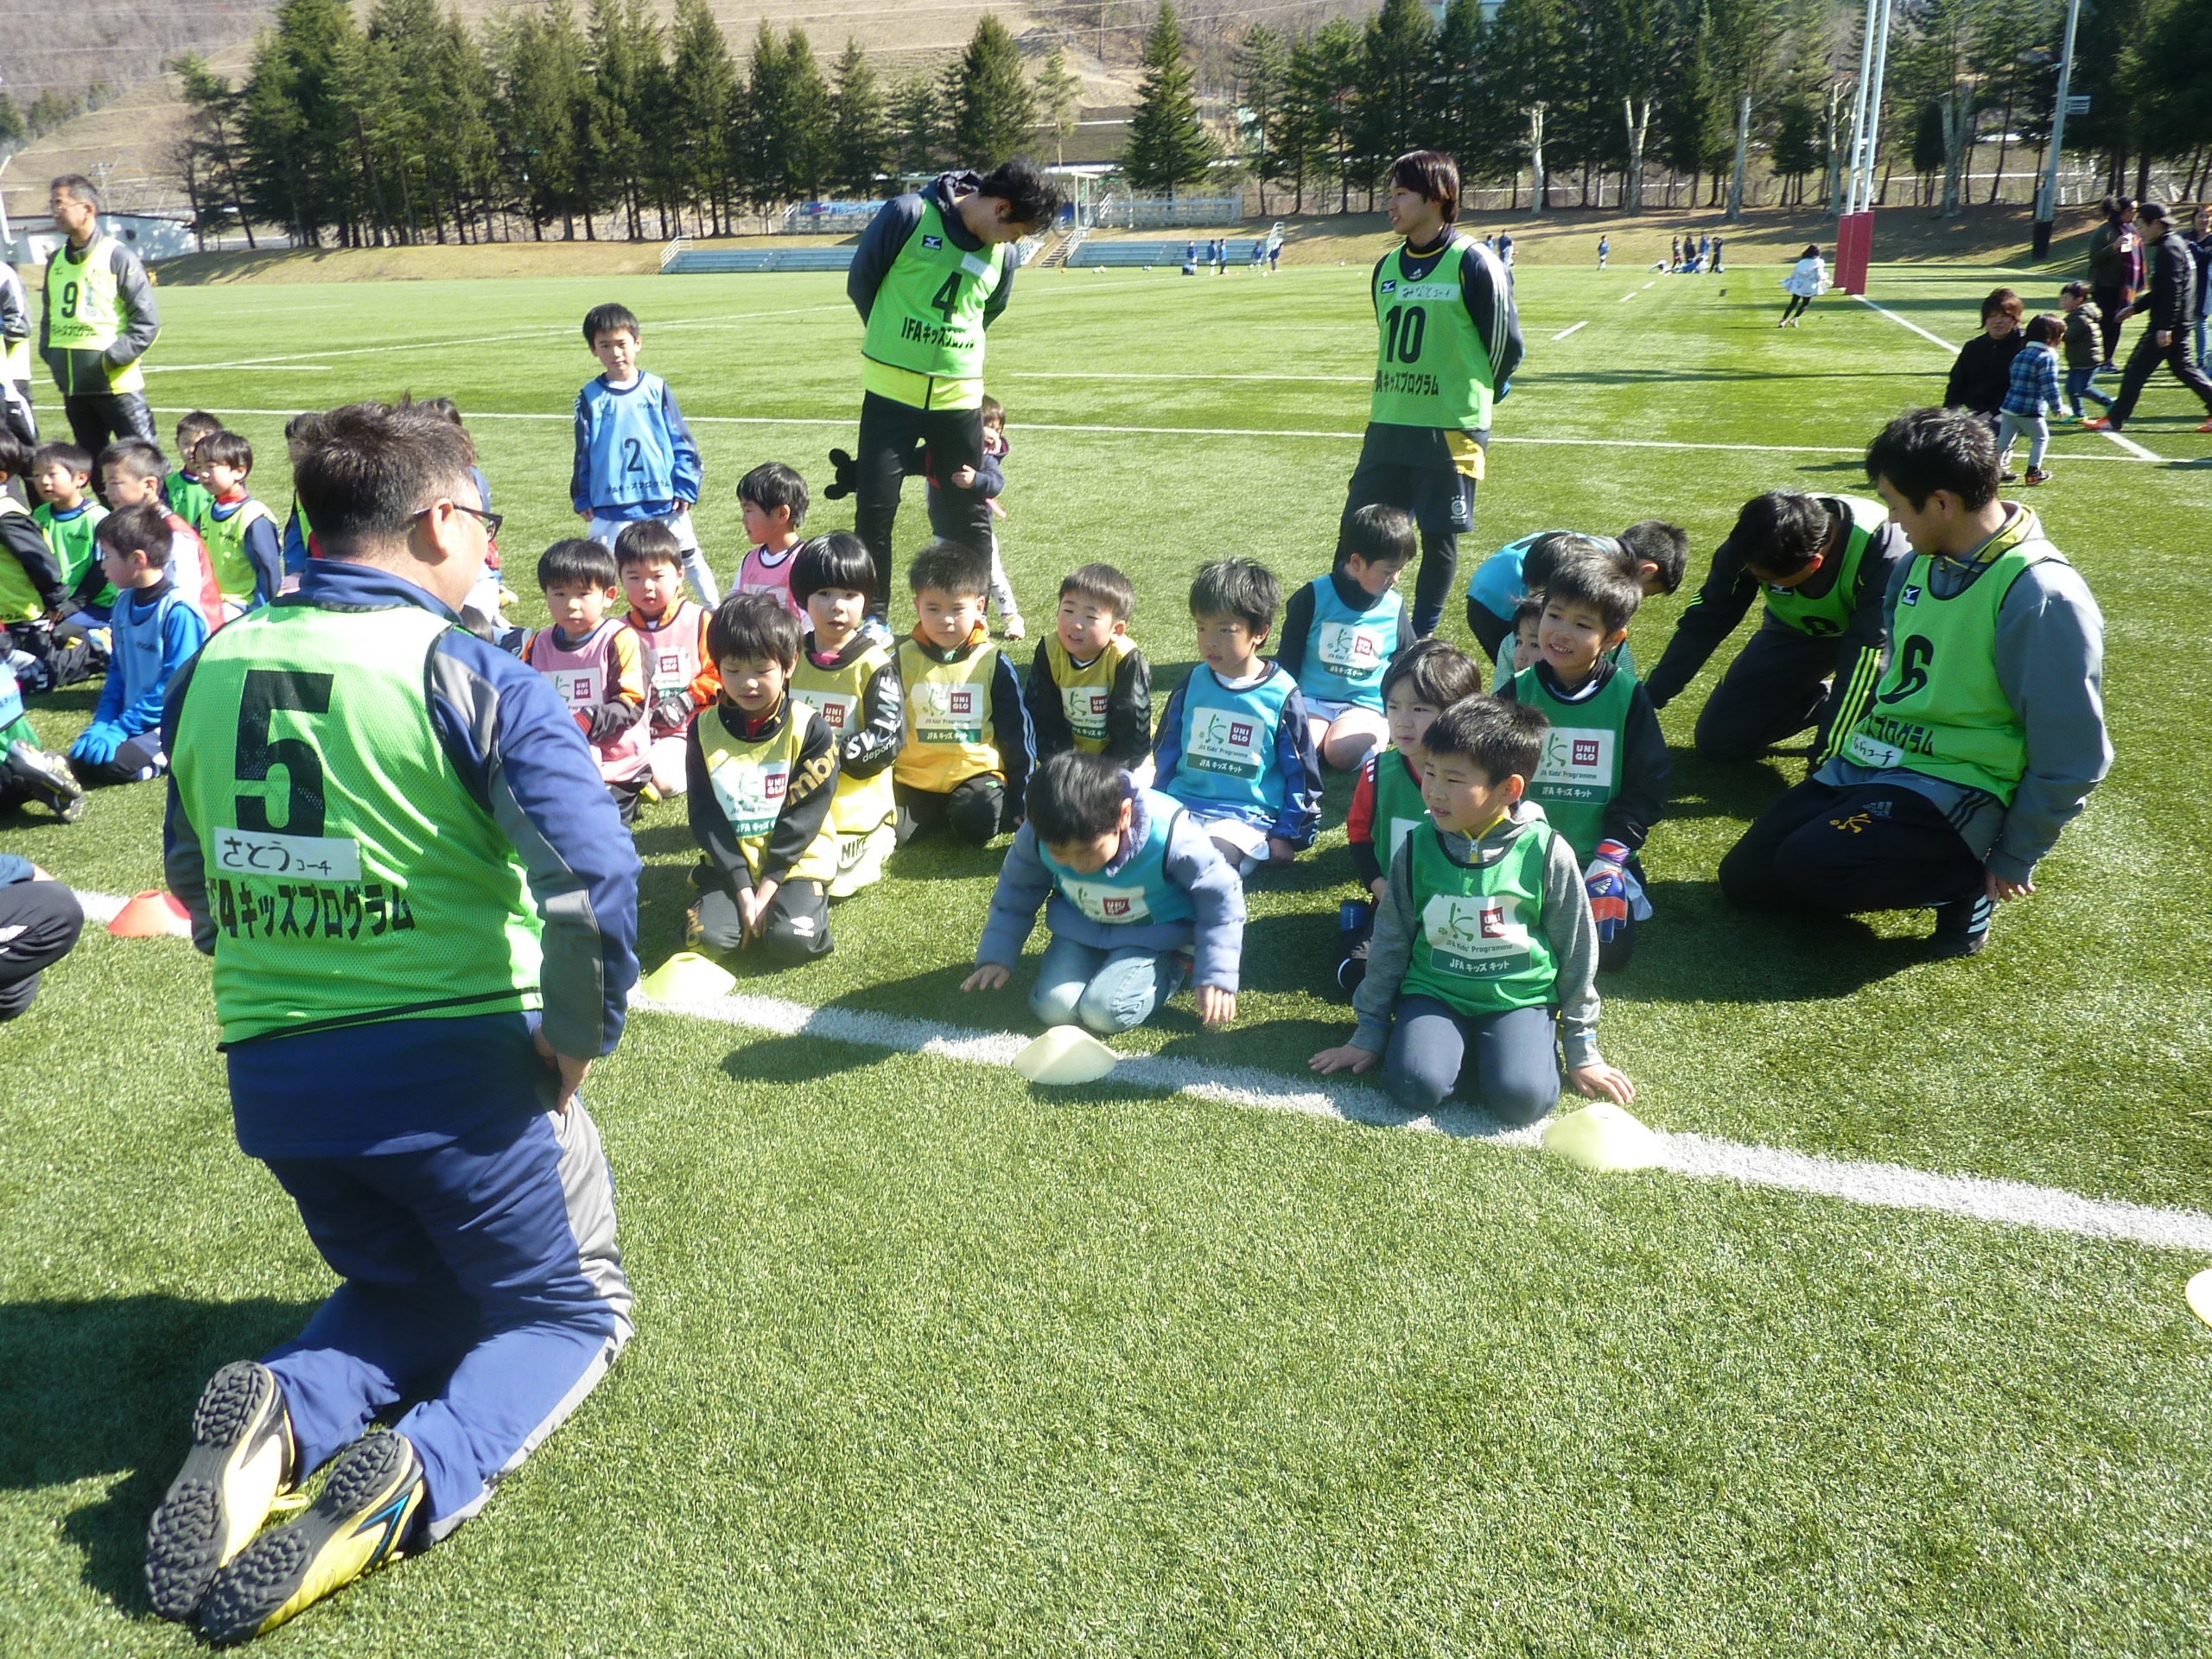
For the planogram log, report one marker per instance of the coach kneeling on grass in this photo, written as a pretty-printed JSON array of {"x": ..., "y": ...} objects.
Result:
[
  {"x": 393, "y": 840},
  {"x": 1987, "y": 730}
]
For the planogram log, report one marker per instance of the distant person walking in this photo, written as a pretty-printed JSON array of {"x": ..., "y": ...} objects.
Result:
[
  {"x": 99, "y": 319},
  {"x": 1807, "y": 280},
  {"x": 1604, "y": 247},
  {"x": 2170, "y": 298},
  {"x": 1716, "y": 256},
  {"x": 2113, "y": 262}
]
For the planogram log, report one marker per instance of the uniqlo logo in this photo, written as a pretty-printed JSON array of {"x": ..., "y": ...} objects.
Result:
[
  {"x": 1098, "y": 702},
  {"x": 580, "y": 687},
  {"x": 1365, "y": 650},
  {"x": 1586, "y": 751},
  {"x": 1493, "y": 922},
  {"x": 834, "y": 716},
  {"x": 771, "y": 786},
  {"x": 1115, "y": 907},
  {"x": 671, "y": 662},
  {"x": 1240, "y": 733},
  {"x": 961, "y": 703}
]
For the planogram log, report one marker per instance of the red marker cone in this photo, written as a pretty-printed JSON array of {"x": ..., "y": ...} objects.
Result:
[{"x": 151, "y": 916}]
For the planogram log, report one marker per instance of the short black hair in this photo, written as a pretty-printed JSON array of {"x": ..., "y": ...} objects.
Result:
[
  {"x": 772, "y": 485},
  {"x": 951, "y": 568},
  {"x": 225, "y": 448},
  {"x": 137, "y": 457},
  {"x": 1505, "y": 739},
  {"x": 369, "y": 468},
  {"x": 1431, "y": 175},
  {"x": 77, "y": 186},
  {"x": 61, "y": 453},
  {"x": 1103, "y": 583},
  {"x": 1530, "y": 609},
  {"x": 15, "y": 456},
  {"x": 1031, "y": 196},
  {"x": 198, "y": 423},
  {"x": 1548, "y": 549},
  {"x": 1439, "y": 672},
  {"x": 611, "y": 318},
  {"x": 143, "y": 528},
  {"x": 749, "y": 626},
  {"x": 1376, "y": 533},
  {"x": 1779, "y": 533},
  {"x": 1076, "y": 796},
  {"x": 301, "y": 428},
  {"x": 647, "y": 541},
  {"x": 1924, "y": 450},
  {"x": 1812, "y": 251},
  {"x": 2046, "y": 326},
  {"x": 992, "y": 409},
  {"x": 1244, "y": 589},
  {"x": 1598, "y": 582},
  {"x": 573, "y": 560},
  {"x": 1666, "y": 545},
  {"x": 2075, "y": 291},
  {"x": 839, "y": 560}
]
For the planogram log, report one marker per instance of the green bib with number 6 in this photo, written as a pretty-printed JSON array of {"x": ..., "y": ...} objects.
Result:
[
  {"x": 928, "y": 315},
  {"x": 351, "y": 875},
  {"x": 1431, "y": 367}
]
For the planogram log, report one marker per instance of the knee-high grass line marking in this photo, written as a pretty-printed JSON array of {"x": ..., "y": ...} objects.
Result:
[{"x": 1888, "y": 1186}]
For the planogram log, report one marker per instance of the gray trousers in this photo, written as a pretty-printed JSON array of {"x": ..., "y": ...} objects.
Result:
[{"x": 1515, "y": 1073}]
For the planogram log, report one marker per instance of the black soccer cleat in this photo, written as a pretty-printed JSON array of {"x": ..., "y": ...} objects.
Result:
[
  {"x": 241, "y": 1458},
  {"x": 48, "y": 778},
  {"x": 1961, "y": 928}
]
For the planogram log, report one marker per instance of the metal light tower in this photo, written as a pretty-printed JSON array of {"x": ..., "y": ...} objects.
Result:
[{"x": 2047, "y": 196}]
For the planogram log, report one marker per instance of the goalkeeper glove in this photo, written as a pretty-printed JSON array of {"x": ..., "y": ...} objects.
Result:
[
  {"x": 672, "y": 711},
  {"x": 1606, "y": 882},
  {"x": 97, "y": 744},
  {"x": 605, "y": 721}
]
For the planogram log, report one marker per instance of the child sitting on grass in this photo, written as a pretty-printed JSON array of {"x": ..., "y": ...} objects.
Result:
[
  {"x": 773, "y": 498},
  {"x": 31, "y": 591},
  {"x": 1089, "y": 687},
  {"x": 69, "y": 518},
  {"x": 671, "y": 630},
  {"x": 850, "y": 678},
  {"x": 132, "y": 472},
  {"x": 1386, "y": 804},
  {"x": 593, "y": 662},
  {"x": 1566, "y": 545},
  {"x": 1601, "y": 779},
  {"x": 241, "y": 533},
  {"x": 1134, "y": 891},
  {"x": 1340, "y": 632},
  {"x": 186, "y": 496},
  {"x": 968, "y": 750},
  {"x": 764, "y": 775},
  {"x": 1481, "y": 933},
  {"x": 1653, "y": 552},
  {"x": 1234, "y": 743},
  {"x": 154, "y": 631}
]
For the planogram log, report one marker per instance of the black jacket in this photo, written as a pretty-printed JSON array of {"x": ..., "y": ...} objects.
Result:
[
  {"x": 2170, "y": 295},
  {"x": 807, "y": 799},
  {"x": 1128, "y": 709},
  {"x": 888, "y": 232},
  {"x": 1983, "y": 373}
]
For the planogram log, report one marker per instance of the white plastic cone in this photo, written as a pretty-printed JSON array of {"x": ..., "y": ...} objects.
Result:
[
  {"x": 1602, "y": 1137},
  {"x": 1065, "y": 1054},
  {"x": 2200, "y": 1295},
  {"x": 687, "y": 977},
  {"x": 150, "y": 916}
]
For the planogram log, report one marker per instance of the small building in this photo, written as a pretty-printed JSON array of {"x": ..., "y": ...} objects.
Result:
[{"x": 32, "y": 241}]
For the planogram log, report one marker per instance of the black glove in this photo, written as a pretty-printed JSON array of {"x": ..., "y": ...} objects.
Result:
[
  {"x": 847, "y": 476},
  {"x": 672, "y": 711},
  {"x": 605, "y": 721}
]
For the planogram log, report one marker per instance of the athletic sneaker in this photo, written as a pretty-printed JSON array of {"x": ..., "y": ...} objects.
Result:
[
  {"x": 2036, "y": 475},
  {"x": 2206, "y": 427},
  {"x": 369, "y": 1501},
  {"x": 48, "y": 779},
  {"x": 2098, "y": 423},
  {"x": 241, "y": 1458},
  {"x": 1961, "y": 928}
]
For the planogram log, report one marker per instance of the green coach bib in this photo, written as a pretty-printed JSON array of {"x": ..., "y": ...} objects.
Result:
[
  {"x": 1830, "y": 614},
  {"x": 1938, "y": 708},
  {"x": 351, "y": 875},
  {"x": 84, "y": 307},
  {"x": 1580, "y": 769},
  {"x": 1481, "y": 949},
  {"x": 928, "y": 315},
  {"x": 1431, "y": 368}
]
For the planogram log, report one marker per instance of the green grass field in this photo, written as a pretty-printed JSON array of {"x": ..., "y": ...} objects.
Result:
[{"x": 928, "y": 1361}]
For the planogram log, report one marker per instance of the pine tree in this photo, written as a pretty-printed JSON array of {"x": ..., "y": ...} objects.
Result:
[
  {"x": 864, "y": 146},
  {"x": 702, "y": 86},
  {"x": 1397, "y": 100},
  {"x": 992, "y": 114},
  {"x": 757, "y": 135},
  {"x": 212, "y": 141},
  {"x": 809, "y": 130},
  {"x": 1058, "y": 91},
  {"x": 540, "y": 60},
  {"x": 1324, "y": 80},
  {"x": 1167, "y": 146},
  {"x": 1262, "y": 69},
  {"x": 917, "y": 125}
]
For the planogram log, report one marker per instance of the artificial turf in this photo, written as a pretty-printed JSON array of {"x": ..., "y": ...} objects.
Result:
[{"x": 928, "y": 1361}]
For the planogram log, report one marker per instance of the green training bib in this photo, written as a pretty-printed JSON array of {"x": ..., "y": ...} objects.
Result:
[
  {"x": 928, "y": 315},
  {"x": 1431, "y": 367},
  {"x": 1482, "y": 948},
  {"x": 1830, "y": 614},
  {"x": 1580, "y": 769}
]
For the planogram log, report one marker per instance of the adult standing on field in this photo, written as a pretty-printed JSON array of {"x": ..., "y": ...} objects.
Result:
[
  {"x": 422, "y": 906},
  {"x": 1987, "y": 729},
  {"x": 2112, "y": 263},
  {"x": 934, "y": 270},
  {"x": 99, "y": 320},
  {"x": 1448, "y": 342},
  {"x": 2170, "y": 298}
]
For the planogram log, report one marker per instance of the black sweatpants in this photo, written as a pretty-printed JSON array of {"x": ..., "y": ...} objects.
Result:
[
  {"x": 889, "y": 431},
  {"x": 796, "y": 929},
  {"x": 970, "y": 809},
  {"x": 39, "y": 924},
  {"x": 136, "y": 760},
  {"x": 2143, "y": 362},
  {"x": 1493, "y": 632},
  {"x": 2108, "y": 301},
  {"x": 96, "y": 416},
  {"x": 1773, "y": 690},
  {"x": 1439, "y": 498},
  {"x": 1844, "y": 850}
]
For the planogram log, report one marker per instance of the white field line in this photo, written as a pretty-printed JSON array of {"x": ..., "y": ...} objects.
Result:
[
  {"x": 2134, "y": 449},
  {"x": 1564, "y": 332},
  {"x": 1888, "y": 1186},
  {"x": 1654, "y": 283},
  {"x": 1113, "y": 374},
  {"x": 1626, "y": 297}
]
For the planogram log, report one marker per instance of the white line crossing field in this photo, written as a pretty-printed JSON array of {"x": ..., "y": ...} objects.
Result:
[
  {"x": 1626, "y": 297},
  {"x": 1564, "y": 332},
  {"x": 1889, "y": 1187}
]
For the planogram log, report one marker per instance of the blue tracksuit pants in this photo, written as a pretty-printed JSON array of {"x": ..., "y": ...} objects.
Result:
[{"x": 483, "y": 1291}]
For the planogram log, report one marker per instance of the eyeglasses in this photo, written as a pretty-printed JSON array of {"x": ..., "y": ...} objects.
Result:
[{"x": 492, "y": 521}]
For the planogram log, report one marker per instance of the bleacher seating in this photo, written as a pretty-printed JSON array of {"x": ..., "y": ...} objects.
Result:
[
  {"x": 692, "y": 262},
  {"x": 1122, "y": 255}
]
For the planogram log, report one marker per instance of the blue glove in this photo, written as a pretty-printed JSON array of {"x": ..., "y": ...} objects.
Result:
[
  {"x": 97, "y": 744},
  {"x": 1607, "y": 886}
]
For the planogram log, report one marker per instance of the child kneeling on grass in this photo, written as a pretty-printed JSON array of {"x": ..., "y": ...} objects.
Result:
[
  {"x": 1483, "y": 938},
  {"x": 154, "y": 631},
  {"x": 1136, "y": 894},
  {"x": 1339, "y": 632},
  {"x": 850, "y": 678},
  {"x": 763, "y": 774},
  {"x": 969, "y": 751}
]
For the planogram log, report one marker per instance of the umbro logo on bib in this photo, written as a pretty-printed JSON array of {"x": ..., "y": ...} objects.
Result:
[{"x": 933, "y": 242}]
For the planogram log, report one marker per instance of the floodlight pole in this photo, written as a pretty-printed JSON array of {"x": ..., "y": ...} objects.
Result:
[
  {"x": 2047, "y": 197},
  {"x": 1874, "y": 104},
  {"x": 1847, "y": 201}
]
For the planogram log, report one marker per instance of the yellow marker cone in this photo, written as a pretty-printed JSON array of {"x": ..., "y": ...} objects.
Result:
[
  {"x": 687, "y": 977},
  {"x": 2200, "y": 1295},
  {"x": 1602, "y": 1137},
  {"x": 151, "y": 916},
  {"x": 1065, "y": 1054}
]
